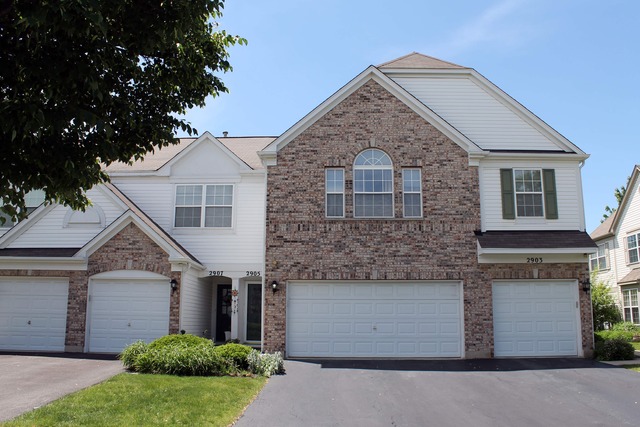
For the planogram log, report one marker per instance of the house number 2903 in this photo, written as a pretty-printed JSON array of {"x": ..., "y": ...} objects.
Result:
[{"x": 534, "y": 260}]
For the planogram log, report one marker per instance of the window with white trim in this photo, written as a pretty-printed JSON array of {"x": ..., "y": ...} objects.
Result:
[
  {"x": 32, "y": 200},
  {"x": 208, "y": 206},
  {"x": 630, "y": 305},
  {"x": 334, "y": 188},
  {"x": 633, "y": 243},
  {"x": 373, "y": 185},
  {"x": 528, "y": 190},
  {"x": 412, "y": 193},
  {"x": 600, "y": 260}
]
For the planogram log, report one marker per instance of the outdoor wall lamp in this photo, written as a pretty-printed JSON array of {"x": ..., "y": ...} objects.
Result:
[
  {"x": 174, "y": 285},
  {"x": 586, "y": 285},
  {"x": 274, "y": 286}
]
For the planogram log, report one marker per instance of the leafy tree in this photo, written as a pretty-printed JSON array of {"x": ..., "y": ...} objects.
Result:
[
  {"x": 604, "y": 305},
  {"x": 84, "y": 83},
  {"x": 619, "y": 195}
]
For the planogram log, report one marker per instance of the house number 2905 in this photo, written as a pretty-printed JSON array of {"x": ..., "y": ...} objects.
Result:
[
  {"x": 534, "y": 260},
  {"x": 253, "y": 273}
]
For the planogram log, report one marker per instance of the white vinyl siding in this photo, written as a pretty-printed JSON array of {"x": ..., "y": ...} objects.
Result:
[
  {"x": 195, "y": 309},
  {"x": 49, "y": 231},
  {"x": 568, "y": 193},
  {"x": 475, "y": 112},
  {"x": 334, "y": 188},
  {"x": 374, "y": 319},
  {"x": 537, "y": 318},
  {"x": 412, "y": 193}
]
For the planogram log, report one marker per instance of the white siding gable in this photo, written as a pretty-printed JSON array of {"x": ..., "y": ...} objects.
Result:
[
  {"x": 629, "y": 223},
  {"x": 475, "y": 112},
  {"x": 206, "y": 159},
  {"x": 568, "y": 190},
  {"x": 52, "y": 231}
]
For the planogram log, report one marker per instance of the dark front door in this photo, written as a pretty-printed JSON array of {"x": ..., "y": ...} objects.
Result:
[
  {"x": 254, "y": 311},
  {"x": 223, "y": 312}
]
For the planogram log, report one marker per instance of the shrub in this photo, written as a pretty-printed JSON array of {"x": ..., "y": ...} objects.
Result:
[
  {"x": 615, "y": 349},
  {"x": 235, "y": 353},
  {"x": 169, "y": 340},
  {"x": 265, "y": 364},
  {"x": 615, "y": 335},
  {"x": 130, "y": 354},
  {"x": 626, "y": 327},
  {"x": 605, "y": 310},
  {"x": 183, "y": 359}
]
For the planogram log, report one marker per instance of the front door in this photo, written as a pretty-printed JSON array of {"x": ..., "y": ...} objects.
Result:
[
  {"x": 254, "y": 311},
  {"x": 223, "y": 312}
]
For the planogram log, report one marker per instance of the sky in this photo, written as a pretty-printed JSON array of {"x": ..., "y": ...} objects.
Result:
[{"x": 573, "y": 63}]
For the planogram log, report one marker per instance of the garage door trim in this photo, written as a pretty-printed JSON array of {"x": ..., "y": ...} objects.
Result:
[{"x": 576, "y": 303}]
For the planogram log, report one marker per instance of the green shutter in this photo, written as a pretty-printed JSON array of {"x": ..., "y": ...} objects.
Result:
[
  {"x": 508, "y": 202},
  {"x": 550, "y": 198}
]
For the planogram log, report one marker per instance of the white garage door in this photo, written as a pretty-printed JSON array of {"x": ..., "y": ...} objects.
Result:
[
  {"x": 124, "y": 311},
  {"x": 33, "y": 314},
  {"x": 535, "y": 318},
  {"x": 374, "y": 319}
]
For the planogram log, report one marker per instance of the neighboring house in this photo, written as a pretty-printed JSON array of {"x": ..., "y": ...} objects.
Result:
[
  {"x": 617, "y": 261},
  {"x": 189, "y": 217},
  {"x": 418, "y": 212},
  {"x": 422, "y": 212}
]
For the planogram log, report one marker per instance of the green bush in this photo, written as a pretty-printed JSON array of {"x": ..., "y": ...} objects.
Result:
[
  {"x": 170, "y": 340},
  {"x": 183, "y": 359},
  {"x": 615, "y": 335},
  {"x": 265, "y": 364},
  {"x": 615, "y": 349},
  {"x": 130, "y": 354},
  {"x": 235, "y": 353},
  {"x": 626, "y": 327}
]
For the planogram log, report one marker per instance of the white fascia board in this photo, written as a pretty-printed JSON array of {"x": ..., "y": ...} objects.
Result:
[
  {"x": 17, "y": 230},
  {"x": 505, "y": 251},
  {"x": 165, "y": 169},
  {"x": 43, "y": 263},
  {"x": 371, "y": 73},
  {"x": 529, "y": 155}
]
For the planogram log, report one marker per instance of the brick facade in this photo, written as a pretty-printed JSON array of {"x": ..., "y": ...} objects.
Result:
[
  {"x": 130, "y": 249},
  {"x": 301, "y": 244}
]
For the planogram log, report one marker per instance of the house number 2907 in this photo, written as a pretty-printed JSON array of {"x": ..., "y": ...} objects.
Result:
[{"x": 534, "y": 260}]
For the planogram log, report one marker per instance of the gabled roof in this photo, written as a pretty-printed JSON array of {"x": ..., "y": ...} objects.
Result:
[
  {"x": 631, "y": 278},
  {"x": 610, "y": 226},
  {"x": 417, "y": 60},
  {"x": 243, "y": 149},
  {"x": 369, "y": 74}
]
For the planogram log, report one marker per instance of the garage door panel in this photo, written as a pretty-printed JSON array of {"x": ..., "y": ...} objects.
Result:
[
  {"x": 378, "y": 319},
  {"x": 33, "y": 313},
  {"x": 535, "y": 319},
  {"x": 123, "y": 311}
]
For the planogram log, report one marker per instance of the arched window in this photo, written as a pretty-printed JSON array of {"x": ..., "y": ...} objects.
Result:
[{"x": 373, "y": 184}]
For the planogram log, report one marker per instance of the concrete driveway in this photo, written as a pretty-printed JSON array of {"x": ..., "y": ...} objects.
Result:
[
  {"x": 28, "y": 381},
  {"x": 530, "y": 392}
]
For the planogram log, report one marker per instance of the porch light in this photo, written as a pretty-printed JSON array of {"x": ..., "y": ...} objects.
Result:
[
  {"x": 586, "y": 285},
  {"x": 174, "y": 285},
  {"x": 274, "y": 286}
]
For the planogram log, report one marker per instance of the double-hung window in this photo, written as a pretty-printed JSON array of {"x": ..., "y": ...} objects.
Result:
[
  {"x": 630, "y": 305},
  {"x": 528, "y": 186},
  {"x": 600, "y": 260},
  {"x": 411, "y": 193},
  {"x": 528, "y": 193},
  {"x": 334, "y": 188},
  {"x": 373, "y": 185},
  {"x": 204, "y": 206},
  {"x": 633, "y": 248}
]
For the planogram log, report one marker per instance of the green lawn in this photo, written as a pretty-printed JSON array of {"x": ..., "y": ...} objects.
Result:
[
  {"x": 632, "y": 367},
  {"x": 138, "y": 399},
  {"x": 636, "y": 345}
]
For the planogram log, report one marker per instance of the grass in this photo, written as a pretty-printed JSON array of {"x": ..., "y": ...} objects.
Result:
[
  {"x": 636, "y": 345},
  {"x": 138, "y": 399},
  {"x": 632, "y": 367}
]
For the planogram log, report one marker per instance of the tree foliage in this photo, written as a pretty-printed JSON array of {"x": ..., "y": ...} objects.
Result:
[
  {"x": 605, "y": 310},
  {"x": 619, "y": 195},
  {"x": 84, "y": 83}
]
